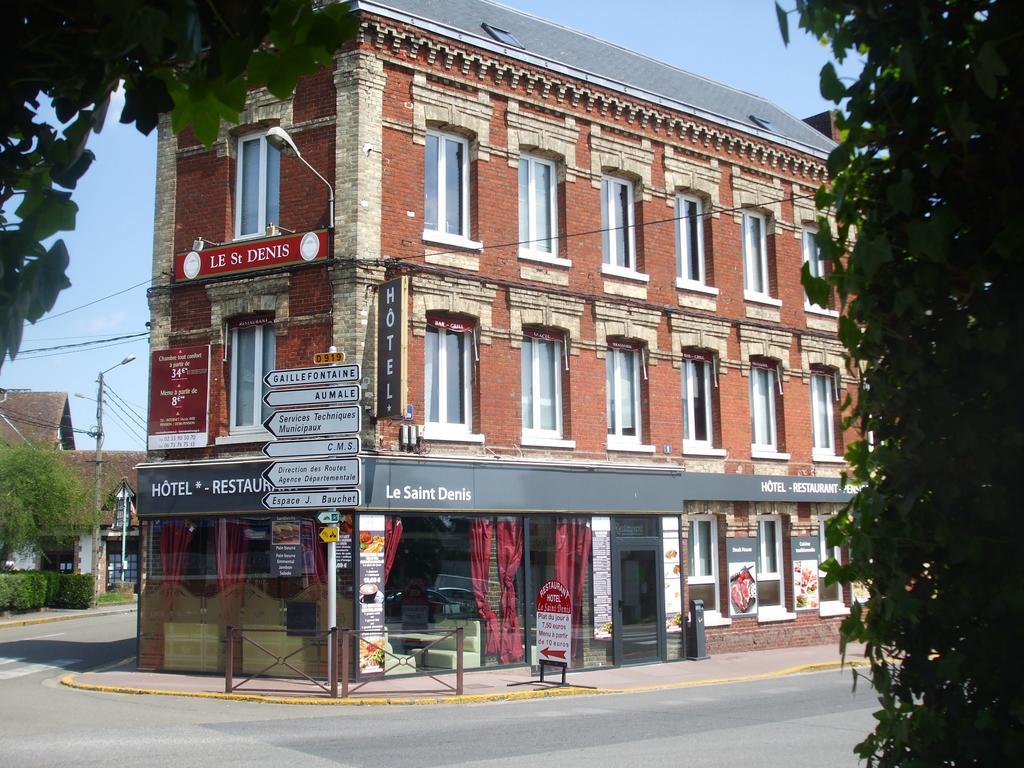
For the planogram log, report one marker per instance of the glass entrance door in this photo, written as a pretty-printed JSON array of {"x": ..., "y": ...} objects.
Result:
[{"x": 636, "y": 606}]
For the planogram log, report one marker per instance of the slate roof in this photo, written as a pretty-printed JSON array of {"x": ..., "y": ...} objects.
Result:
[
  {"x": 42, "y": 418},
  {"x": 557, "y": 47}
]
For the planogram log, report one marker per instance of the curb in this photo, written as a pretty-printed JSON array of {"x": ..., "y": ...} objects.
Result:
[
  {"x": 65, "y": 617},
  {"x": 482, "y": 698}
]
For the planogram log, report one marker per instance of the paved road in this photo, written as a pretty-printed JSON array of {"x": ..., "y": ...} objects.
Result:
[{"x": 803, "y": 720}]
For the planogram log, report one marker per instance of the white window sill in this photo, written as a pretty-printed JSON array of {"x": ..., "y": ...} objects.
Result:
[
  {"x": 545, "y": 258},
  {"x": 452, "y": 434},
  {"x": 239, "y": 438},
  {"x": 250, "y": 236},
  {"x": 761, "y": 453},
  {"x": 537, "y": 441},
  {"x": 761, "y": 298},
  {"x": 457, "y": 241},
  {"x": 774, "y": 614},
  {"x": 715, "y": 619},
  {"x": 629, "y": 446},
  {"x": 814, "y": 309},
  {"x": 827, "y": 458},
  {"x": 691, "y": 285},
  {"x": 625, "y": 273},
  {"x": 690, "y": 449},
  {"x": 834, "y": 609}
]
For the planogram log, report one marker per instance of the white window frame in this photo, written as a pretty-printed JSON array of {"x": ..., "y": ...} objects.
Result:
[
  {"x": 762, "y": 381},
  {"x": 690, "y": 379},
  {"x": 694, "y": 552},
  {"x": 829, "y": 607},
  {"x": 773, "y": 611},
  {"x": 240, "y": 174},
  {"x": 614, "y": 262},
  {"x": 441, "y": 428},
  {"x": 529, "y": 237},
  {"x": 613, "y": 379},
  {"x": 816, "y": 266},
  {"x": 822, "y": 394},
  {"x": 536, "y": 347},
  {"x": 755, "y": 260},
  {"x": 438, "y": 233},
  {"x": 260, "y": 368},
  {"x": 683, "y": 240}
]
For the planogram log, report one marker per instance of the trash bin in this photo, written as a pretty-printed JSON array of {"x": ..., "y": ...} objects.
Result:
[{"x": 696, "y": 649}]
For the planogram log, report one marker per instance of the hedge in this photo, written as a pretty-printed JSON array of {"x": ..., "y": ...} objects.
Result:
[{"x": 32, "y": 590}]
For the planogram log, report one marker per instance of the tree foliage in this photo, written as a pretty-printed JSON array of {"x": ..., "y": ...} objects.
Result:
[
  {"x": 42, "y": 501},
  {"x": 196, "y": 60},
  {"x": 928, "y": 259}
]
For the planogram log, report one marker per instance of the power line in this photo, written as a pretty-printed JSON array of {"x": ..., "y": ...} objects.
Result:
[
  {"x": 120, "y": 404},
  {"x": 83, "y": 343},
  {"x": 95, "y": 301},
  {"x": 22, "y": 418},
  {"x": 89, "y": 349}
]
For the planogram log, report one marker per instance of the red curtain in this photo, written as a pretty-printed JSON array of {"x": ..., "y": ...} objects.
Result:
[
  {"x": 510, "y": 555},
  {"x": 174, "y": 538},
  {"x": 572, "y": 561},
  {"x": 231, "y": 551},
  {"x": 479, "y": 569},
  {"x": 392, "y": 536}
]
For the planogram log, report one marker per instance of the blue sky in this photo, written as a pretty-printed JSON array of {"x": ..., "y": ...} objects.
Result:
[{"x": 736, "y": 42}]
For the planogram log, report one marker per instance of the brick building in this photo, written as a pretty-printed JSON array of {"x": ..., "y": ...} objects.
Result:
[{"x": 571, "y": 277}]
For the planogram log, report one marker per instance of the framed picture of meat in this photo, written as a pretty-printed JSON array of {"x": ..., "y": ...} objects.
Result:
[{"x": 742, "y": 558}]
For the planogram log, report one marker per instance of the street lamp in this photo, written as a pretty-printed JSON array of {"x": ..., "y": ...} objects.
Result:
[
  {"x": 279, "y": 139},
  {"x": 96, "y": 548}
]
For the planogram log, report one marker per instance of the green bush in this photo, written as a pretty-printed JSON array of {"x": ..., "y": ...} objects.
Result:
[
  {"x": 52, "y": 587},
  {"x": 75, "y": 590},
  {"x": 24, "y": 591}
]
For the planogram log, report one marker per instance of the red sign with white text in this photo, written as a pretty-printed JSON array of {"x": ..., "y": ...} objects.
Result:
[
  {"x": 554, "y": 623},
  {"x": 251, "y": 255},
  {"x": 179, "y": 387}
]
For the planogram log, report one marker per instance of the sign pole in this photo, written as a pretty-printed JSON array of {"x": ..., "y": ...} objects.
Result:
[{"x": 332, "y": 581}]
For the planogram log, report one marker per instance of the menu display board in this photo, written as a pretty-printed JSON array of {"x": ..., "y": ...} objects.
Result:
[
  {"x": 286, "y": 548},
  {"x": 370, "y": 593},
  {"x": 673, "y": 574},
  {"x": 179, "y": 388},
  {"x": 344, "y": 550},
  {"x": 805, "y": 572},
  {"x": 601, "y": 553},
  {"x": 741, "y": 554}
]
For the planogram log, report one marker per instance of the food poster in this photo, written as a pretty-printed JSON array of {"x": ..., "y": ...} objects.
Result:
[
  {"x": 741, "y": 554},
  {"x": 343, "y": 552},
  {"x": 370, "y": 593},
  {"x": 601, "y": 553},
  {"x": 673, "y": 574},
  {"x": 286, "y": 548},
  {"x": 805, "y": 572}
]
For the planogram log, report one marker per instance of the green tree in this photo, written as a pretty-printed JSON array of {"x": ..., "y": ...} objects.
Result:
[
  {"x": 43, "y": 502},
  {"x": 196, "y": 60},
  {"x": 927, "y": 260}
]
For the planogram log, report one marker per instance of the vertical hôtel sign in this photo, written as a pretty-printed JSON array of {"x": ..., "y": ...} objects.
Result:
[
  {"x": 179, "y": 388},
  {"x": 392, "y": 338}
]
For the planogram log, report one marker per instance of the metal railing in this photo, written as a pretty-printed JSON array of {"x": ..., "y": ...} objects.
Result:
[
  {"x": 330, "y": 636},
  {"x": 415, "y": 666}
]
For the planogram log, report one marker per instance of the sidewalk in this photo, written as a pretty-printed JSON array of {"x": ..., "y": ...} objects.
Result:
[
  {"x": 480, "y": 686},
  {"x": 47, "y": 615}
]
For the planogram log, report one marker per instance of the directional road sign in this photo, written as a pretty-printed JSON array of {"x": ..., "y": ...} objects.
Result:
[
  {"x": 330, "y": 446},
  {"x": 329, "y": 517},
  {"x": 299, "y": 377},
  {"x": 349, "y": 393},
  {"x": 313, "y": 473},
  {"x": 315, "y": 422},
  {"x": 350, "y": 497},
  {"x": 329, "y": 535}
]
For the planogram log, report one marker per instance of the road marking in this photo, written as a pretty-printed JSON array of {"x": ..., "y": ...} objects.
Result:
[
  {"x": 31, "y": 669},
  {"x": 43, "y": 637}
]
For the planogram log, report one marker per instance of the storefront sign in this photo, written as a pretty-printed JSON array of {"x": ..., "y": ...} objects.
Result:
[
  {"x": 314, "y": 473},
  {"x": 371, "y": 594},
  {"x": 601, "y": 552},
  {"x": 673, "y": 574},
  {"x": 741, "y": 555},
  {"x": 554, "y": 624},
  {"x": 351, "y": 393},
  {"x": 300, "y": 377},
  {"x": 805, "y": 572},
  {"x": 330, "y": 446},
  {"x": 314, "y": 422},
  {"x": 392, "y": 344},
  {"x": 179, "y": 386},
  {"x": 251, "y": 255}
]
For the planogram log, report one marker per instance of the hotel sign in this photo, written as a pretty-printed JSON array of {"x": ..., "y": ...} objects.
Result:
[
  {"x": 392, "y": 339},
  {"x": 251, "y": 256}
]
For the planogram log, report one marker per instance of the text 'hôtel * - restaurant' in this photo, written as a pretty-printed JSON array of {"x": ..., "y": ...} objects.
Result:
[{"x": 539, "y": 319}]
